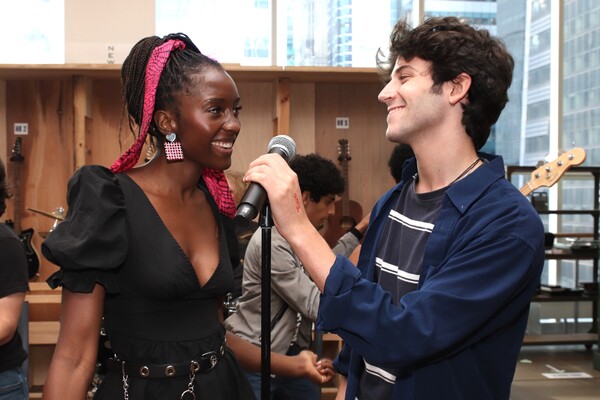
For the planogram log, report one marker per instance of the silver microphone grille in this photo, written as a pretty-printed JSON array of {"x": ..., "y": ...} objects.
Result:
[{"x": 285, "y": 144}]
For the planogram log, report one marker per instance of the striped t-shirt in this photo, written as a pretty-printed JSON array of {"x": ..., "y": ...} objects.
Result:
[{"x": 399, "y": 259}]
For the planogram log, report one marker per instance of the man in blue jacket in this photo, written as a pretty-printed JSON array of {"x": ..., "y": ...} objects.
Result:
[{"x": 438, "y": 306}]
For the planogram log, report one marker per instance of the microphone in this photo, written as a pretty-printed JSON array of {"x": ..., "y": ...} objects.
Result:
[{"x": 255, "y": 195}]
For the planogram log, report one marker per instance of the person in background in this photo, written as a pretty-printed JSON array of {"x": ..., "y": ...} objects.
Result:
[
  {"x": 243, "y": 232},
  {"x": 145, "y": 250},
  {"x": 400, "y": 154},
  {"x": 438, "y": 306},
  {"x": 13, "y": 286},
  {"x": 294, "y": 297}
]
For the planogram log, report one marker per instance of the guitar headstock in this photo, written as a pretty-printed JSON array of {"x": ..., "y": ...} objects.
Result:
[
  {"x": 344, "y": 150},
  {"x": 548, "y": 174},
  {"x": 17, "y": 156}
]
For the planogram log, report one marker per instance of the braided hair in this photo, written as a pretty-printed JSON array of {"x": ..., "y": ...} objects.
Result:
[
  {"x": 177, "y": 76},
  {"x": 154, "y": 74}
]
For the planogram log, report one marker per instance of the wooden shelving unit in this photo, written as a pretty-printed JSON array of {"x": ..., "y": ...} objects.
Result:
[{"x": 238, "y": 72}]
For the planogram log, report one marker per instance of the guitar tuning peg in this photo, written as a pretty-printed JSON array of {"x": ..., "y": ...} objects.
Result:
[{"x": 540, "y": 163}]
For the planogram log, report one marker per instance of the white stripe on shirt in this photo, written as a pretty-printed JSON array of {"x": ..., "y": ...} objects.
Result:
[
  {"x": 381, "y": 373},
  {"x": 393, "y": 270},
  {"x": 411, "y": 223}
]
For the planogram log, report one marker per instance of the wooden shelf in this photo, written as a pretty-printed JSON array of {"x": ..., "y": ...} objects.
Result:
[
  {"x": 42, "y": 298},
  {"x": 238, "y": 72},
  {"x": 546, "y": 298},
  {"x": 565, "y": 254},
  {"x": 43, "y": 332},
  {"x": 566, "y": 338},
  {"x": 328, "y": 393}
]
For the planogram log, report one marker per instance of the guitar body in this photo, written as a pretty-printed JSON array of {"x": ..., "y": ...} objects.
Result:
[
  {"x": 347, "y": 212},
  {"x": 340, "y": 223},
  {"x": 33, "y": 260},
  {"x": 26, "y": 235}
]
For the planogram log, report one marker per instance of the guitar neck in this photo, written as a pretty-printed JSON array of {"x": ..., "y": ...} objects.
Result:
[
  {"x": 345, "y": 194},
  {"x": 17, "y": 198},
  {"x": 526, "y": 189},
  {"x": 549, "y": 173}
]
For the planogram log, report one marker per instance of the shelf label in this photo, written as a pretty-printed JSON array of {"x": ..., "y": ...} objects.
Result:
[
  {"x": 342, "y": 123},
  {"x": 21, "y": 128}
]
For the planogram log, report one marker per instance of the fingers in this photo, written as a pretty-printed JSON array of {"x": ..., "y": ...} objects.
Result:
[
  {"x": 320, "y": 372},
  {"x": 269, "y": 167},
  {"x": 310, "y": 356},
  {"x": 325, "y": 367},
  {"x": 325, "y": 363}
]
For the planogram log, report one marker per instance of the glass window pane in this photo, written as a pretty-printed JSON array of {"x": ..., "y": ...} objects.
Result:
[
  {"x": 232, "y": 31},
  {"x": 33, "y": 32},
  {"x": 309, "y": 32},
  {"x": 339, "y": 33}
]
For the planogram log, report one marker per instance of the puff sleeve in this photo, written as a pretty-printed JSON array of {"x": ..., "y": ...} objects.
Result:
[{"x": 91, "y": 243}]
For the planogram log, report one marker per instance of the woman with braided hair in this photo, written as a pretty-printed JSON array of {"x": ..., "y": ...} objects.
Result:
[{"x": 144, "y": 249}]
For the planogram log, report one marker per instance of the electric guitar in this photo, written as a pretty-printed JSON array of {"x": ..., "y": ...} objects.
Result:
[
  {"x": 548, "y": 174},
  {"x": 347, "y": 212},
  {"x": 26, "y": 235}
]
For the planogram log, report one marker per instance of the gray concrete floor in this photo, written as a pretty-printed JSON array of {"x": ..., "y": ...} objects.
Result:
[{"x": 530, "y": 383}]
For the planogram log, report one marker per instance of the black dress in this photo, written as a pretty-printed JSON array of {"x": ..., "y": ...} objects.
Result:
[
  {"x": 155, "y": 311},
  {"x": 13, "y": 279}
]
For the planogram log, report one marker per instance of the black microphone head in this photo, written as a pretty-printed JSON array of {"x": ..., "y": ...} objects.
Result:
[{"x": 283, "y": 145}]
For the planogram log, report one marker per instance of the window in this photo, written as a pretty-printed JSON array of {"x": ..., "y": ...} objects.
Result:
[{"x": 33, "y": 32}]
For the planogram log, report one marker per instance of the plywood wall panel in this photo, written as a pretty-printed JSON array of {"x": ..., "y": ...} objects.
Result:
[
  {"x": 368, "y": 173},
  {"x": 302, "y": 120},
  {"x": 46, "y": 105},
  {"x": 257, "y": 116},
  {"x": 108, "y": 134}
]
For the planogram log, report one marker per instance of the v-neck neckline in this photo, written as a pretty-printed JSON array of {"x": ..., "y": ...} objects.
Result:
[{"x": 172, "y": 238}]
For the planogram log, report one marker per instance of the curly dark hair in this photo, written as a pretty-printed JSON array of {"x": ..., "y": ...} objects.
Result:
[
  {"x": 4, "y": 192},
  {"x": 401, "y": 153},
  {"x": 454, "y": 47},
  {"x": 177, "y": 76},
  {"x": 318, "y": 175}
]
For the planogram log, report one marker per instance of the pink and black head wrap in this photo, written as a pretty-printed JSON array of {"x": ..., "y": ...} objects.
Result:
[{"x": 215, "y": 180}]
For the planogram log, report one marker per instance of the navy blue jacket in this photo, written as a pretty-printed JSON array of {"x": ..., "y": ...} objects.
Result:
[{"x": 459, "y": 334}]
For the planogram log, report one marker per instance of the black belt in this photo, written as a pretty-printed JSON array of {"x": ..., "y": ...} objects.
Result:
[{"x": 206, "y": 362}]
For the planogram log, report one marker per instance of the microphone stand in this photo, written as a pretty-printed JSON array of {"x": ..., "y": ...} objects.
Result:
[{"x": 266, "y": 223}]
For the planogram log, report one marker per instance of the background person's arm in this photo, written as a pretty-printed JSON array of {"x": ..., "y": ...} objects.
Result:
[{"x": 10, "y": 312}]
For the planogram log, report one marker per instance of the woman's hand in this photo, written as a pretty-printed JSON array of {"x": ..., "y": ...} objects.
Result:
[{"x": 321, "y": 371}]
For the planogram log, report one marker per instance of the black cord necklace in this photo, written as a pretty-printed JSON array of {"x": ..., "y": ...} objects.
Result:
[{"x": 466, "y": 171}]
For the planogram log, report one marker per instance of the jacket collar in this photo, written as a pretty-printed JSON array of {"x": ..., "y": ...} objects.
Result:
[{"x": 464, "y": 192}]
